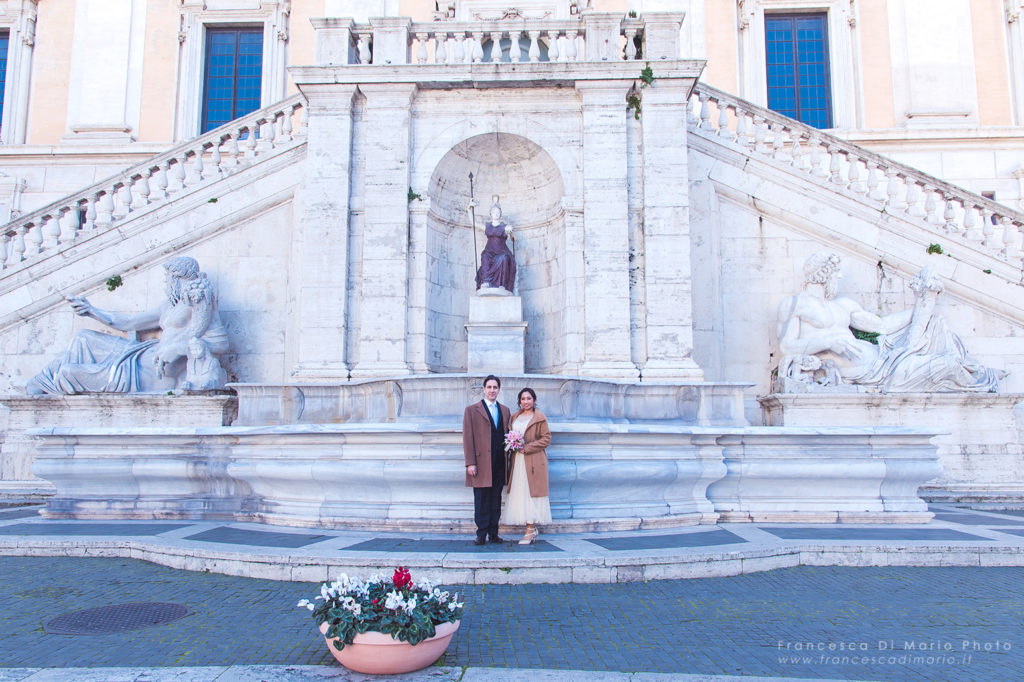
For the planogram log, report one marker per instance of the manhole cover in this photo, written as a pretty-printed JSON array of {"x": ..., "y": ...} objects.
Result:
[{"x": 115, "y": 618}]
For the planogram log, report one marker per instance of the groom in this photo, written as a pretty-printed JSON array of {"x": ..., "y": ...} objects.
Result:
[{"x": 484, "y": 425}]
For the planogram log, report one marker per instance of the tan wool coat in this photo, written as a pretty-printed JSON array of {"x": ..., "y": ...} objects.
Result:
[
  {"x": 538, "y": 438},
  {"x": 476, "y": 441}
]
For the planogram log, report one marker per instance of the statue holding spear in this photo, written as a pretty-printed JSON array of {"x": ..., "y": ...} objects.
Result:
[{"x": 497, "y": 267}]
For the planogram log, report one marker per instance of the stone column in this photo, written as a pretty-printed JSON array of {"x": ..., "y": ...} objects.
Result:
[
  {"x": 384, "y": 295},
  {"x": 318, "y": 319},
  {"x": 667, "y": 273},
  {"x": 417, "y": 323},
  {"x": 606, "y": 231}
]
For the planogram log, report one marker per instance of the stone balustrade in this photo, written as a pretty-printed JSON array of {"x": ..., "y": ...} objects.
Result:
[
  {"x": 892, "y": 187},
  {"x": 106, "y": 204},
  {"x": 399, "y": 41}
]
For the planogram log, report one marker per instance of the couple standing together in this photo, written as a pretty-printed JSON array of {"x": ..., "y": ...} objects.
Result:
[{"x": 484, "y": 427}]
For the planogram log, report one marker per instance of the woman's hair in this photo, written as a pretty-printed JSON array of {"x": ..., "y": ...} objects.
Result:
[{"x": 519, "y": 398}]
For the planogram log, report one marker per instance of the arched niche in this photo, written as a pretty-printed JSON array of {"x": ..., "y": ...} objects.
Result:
[{"x": 531, "y": 189}]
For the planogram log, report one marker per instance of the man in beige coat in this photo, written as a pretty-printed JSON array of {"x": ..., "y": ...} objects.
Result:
[{"x": 484, "y": 425}]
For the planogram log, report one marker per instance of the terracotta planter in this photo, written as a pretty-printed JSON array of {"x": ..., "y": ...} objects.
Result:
[{"x": 378, "y": 654}]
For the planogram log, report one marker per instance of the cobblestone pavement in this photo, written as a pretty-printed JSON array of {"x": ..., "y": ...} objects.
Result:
[{"x": 885, "y": 623}]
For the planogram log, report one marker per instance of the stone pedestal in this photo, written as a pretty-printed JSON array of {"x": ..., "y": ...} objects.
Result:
[{"x": 496, "y": 333}]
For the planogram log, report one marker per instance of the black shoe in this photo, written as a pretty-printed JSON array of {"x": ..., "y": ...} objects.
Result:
[
  {"x": 495, "y": 540},
  {"x": 480, "y": 540}
]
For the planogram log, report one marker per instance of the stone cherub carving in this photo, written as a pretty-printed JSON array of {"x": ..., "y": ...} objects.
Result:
[
  {"x": 182, "y": 357},
  {"x": 916, "y": 351}
]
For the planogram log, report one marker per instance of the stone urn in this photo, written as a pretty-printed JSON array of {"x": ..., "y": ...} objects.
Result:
[{"x": 376, "y": 653}]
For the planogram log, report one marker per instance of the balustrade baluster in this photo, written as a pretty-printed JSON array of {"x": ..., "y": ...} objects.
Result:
[
  {"x": 105, "y": 209},
  {"x": 90, "y": 214},
  {"x": 34, "y": 239},
  {"x": 18, "y": 247},
  {"x": 67, "y": 225},
  {"x": 139, "y": 192},
  {"x": 892, "y": 190},
  {"x": 760, "y": 133},
  {"x": 160, "y": 181},
  {"x": 460, "y": 48},
  {"x": 856, "y": 184},
  {"x": 194, "y": 173},
  {"x": 570, "y": 44},
  {"x": 478, "y": 47},
  {"x": 723, "y": 122},
  {"x": 50, "y": 234},
  {"x": 250, "y": 140},
  {"x": 690, "y": 118},
  {"x": 5, "y": 250},
  {"x": 216, "y": 159},
  {"x": 440, "y": 49},
  {"x": 949, "y": 216},
  {"x": 176, "y": 175},
  {"x": 874, "y": 182},
  {"x": 778, "y": 143},
  {"x": 914, "y": 197},
  {"x": 743, "y": 128},
  {"x": 287, "y": 128},
  {"x": 553, "y": 45},
  {"x": 122, "y": 201},
  {"x": 993, "y": 236},
  {"x": 421, "y": 47},
  {"x": 798, "y": 158},
  {"x": 630, "y": 44},
  {"x": 931, "y": 207},
  {"x": 971, "y": 230},
  {"x": 266, "y": 137},
  {"x": 515, "y": 50},
  {"x": 496, "y": 47},
  {"x": 534, "y": 52},
  {"x": 705, "y": 112},
  {"x": 835, "y": 166},
  {"x": 817, "y": 158}
]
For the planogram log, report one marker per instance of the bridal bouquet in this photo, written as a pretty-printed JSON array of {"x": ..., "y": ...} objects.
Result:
[{"x": 514, "y": 442}]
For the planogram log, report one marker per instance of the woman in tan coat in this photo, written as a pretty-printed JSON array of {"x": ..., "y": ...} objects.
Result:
[{"x": 528, "y": 470}]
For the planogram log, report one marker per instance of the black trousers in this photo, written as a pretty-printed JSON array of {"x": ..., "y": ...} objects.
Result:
[{"x": 487, "y": 508}]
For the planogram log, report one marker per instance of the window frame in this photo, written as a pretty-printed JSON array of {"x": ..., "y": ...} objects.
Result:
[
  {"x": 794, "y": 45},
  {"x": 846, "y": 92},
  {"x": 195, "y": 20},
  {"x": 205, "y": 100},
  {"x": 19, "y": 23}
]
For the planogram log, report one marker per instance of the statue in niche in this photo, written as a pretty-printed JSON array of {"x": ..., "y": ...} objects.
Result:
[
  {"x": 497, "y": 262},
  {"x": 191, "y": 335},
  {"x": 916, "y": 351}
]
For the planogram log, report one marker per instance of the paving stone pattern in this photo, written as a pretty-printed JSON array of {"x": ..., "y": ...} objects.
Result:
[{"x": 856, "y": 623}]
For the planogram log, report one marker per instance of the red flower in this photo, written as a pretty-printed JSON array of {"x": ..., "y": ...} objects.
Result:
[
  {"x": 373, "y": 601},
  {"x": 401, "y": 579}
]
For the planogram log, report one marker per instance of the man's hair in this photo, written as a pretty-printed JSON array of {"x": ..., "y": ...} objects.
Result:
[{"x": 492, "y": 377}]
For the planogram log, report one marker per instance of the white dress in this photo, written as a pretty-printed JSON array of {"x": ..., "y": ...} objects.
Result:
[{"x": 520, "y": 508}]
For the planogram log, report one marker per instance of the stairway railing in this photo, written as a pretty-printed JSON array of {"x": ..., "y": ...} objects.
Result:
[
  {"x": 892, "y": 187},
  {"x": 199, "y": 161}
]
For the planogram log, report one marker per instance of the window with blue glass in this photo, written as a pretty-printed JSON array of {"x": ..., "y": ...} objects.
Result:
[
  {"x": 4, "y": 39},
  {"x": 234, "y": 71},
  {"x": 796, "y": 55}
]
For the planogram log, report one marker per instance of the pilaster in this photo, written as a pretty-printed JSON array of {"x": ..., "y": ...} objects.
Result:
[
  {"x": 317, "y": 324},
  {"x": 667, "y": 272},
  {"x": 605, "y": 231},
  {"x": 384, "y": 138}
]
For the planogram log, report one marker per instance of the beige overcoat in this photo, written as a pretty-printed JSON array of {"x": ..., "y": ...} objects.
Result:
[
  {"x": 538, "y": 438},
  {"x": 476, "y": 441}
]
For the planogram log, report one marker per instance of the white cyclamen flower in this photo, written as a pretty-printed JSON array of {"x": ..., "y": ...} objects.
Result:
[{"x": 394, "y": 601}]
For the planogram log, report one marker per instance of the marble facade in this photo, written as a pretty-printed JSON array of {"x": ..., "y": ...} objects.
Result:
[{"x": 652, "y": 255}]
